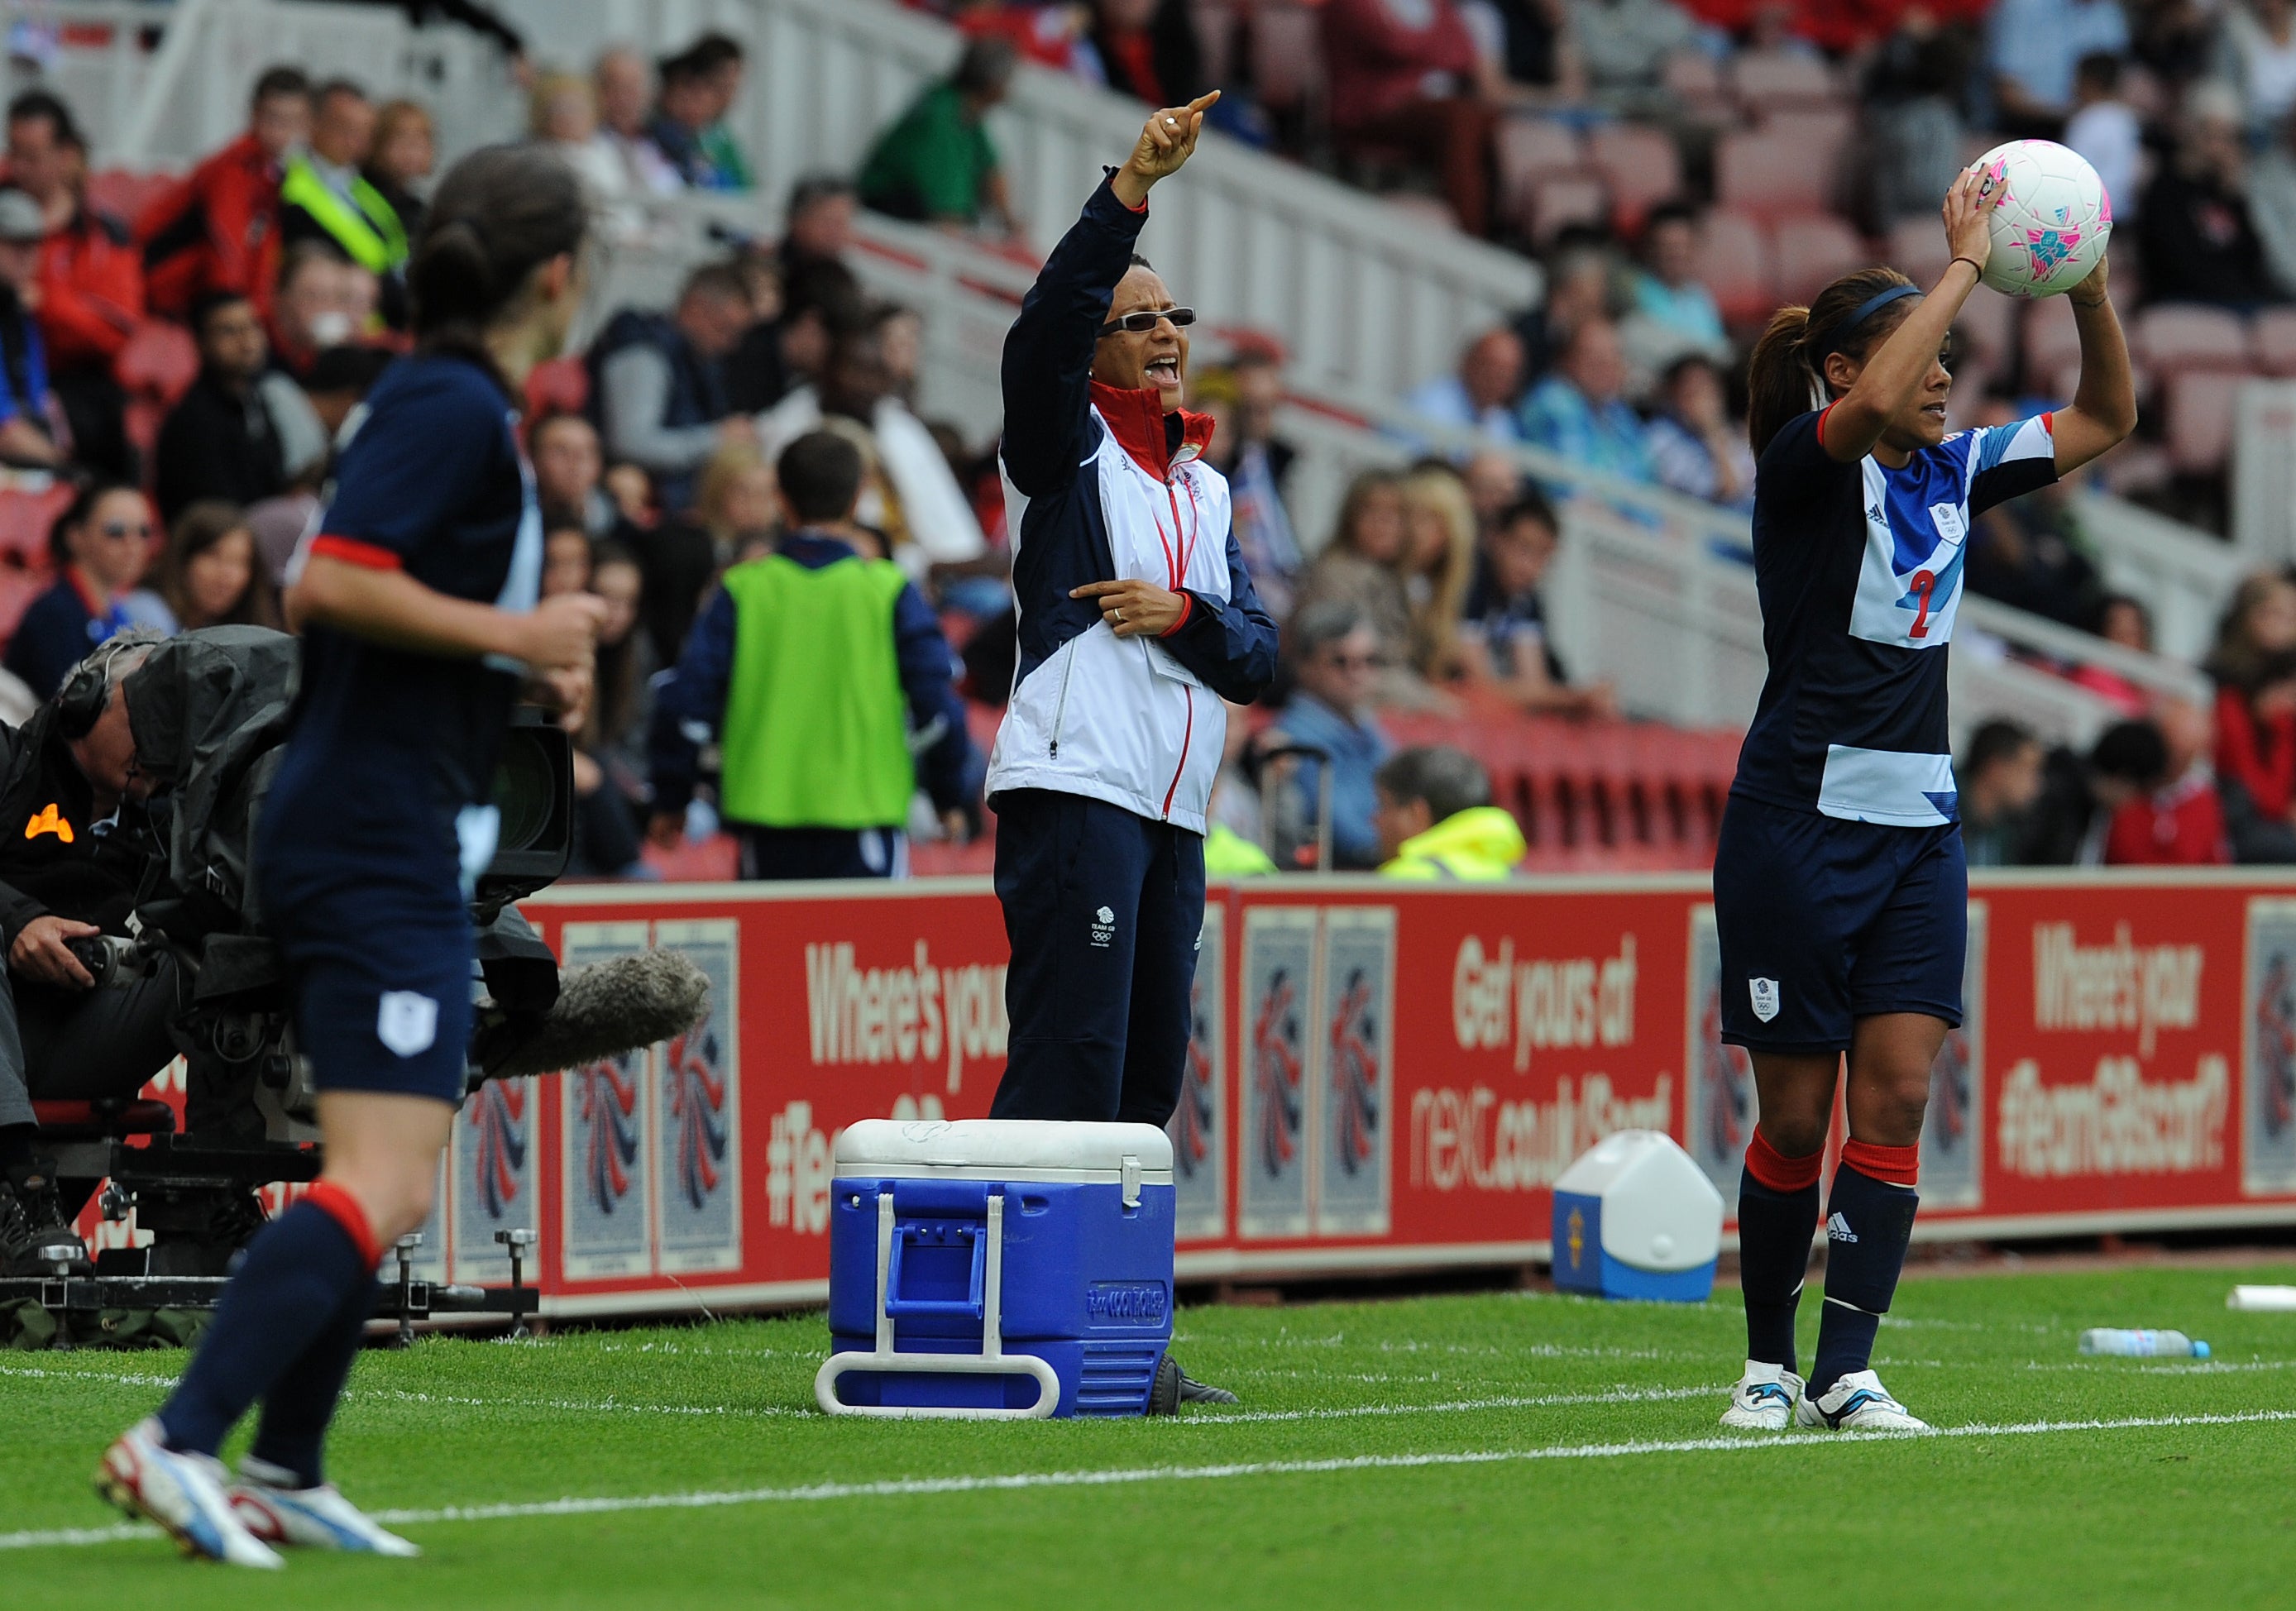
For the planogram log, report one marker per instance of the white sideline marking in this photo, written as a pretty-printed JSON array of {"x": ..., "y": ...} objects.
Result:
[
  {"x": 918, "y": 1487},
  {"x": 1612, "y": 1395}
]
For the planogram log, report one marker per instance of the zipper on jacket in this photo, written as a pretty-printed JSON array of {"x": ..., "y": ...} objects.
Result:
[
  {"x": 1186, "y": 734},
  {"x": 1061, "y": 711}
]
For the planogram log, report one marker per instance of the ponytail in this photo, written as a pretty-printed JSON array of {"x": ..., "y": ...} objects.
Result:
[
  {"x": 1785, "y": 375},
  {"x": 500, "y": 213}
]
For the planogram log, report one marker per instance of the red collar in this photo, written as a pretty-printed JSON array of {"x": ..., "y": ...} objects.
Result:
[{"x": 1137, "y": 419}]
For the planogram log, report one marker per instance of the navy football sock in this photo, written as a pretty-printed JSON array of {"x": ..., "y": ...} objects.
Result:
[
  {"x": 1778, "y": 1214},
  {"x": 299, "y": 1273},
  {"x": 296, "y": 1410},
  {"x": 1870, "y": 1222}
]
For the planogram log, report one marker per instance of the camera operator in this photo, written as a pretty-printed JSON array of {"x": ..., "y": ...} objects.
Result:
[{"x": 68, "y": 878}]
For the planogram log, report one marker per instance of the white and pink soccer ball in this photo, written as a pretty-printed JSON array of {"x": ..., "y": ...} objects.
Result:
[{"x": 2054, "y": 220}]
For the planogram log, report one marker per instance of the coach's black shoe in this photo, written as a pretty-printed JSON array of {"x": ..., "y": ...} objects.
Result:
[
  {"x": 1174, "y": 1386},
  {"x": 35, "y": 1237}
]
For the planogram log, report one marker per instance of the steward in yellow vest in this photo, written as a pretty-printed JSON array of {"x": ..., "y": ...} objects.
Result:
[
  {"x": 824, "y": 678},
  {"x": 1436, "y": 821}
]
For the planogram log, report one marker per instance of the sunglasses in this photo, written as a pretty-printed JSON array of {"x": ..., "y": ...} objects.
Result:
[
  {"x": 116, "y": 530},
  {"x": 1140, "y": 323}
]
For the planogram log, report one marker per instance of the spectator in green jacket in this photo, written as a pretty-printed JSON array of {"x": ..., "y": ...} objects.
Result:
[{"x": 937, "y": 165}]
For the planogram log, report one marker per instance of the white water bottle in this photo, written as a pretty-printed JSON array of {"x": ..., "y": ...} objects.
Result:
[{"x": 2142, "y": 1345}]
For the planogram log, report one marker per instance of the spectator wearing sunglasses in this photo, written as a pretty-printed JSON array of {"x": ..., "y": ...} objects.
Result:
[{"x": 101, "y": 545}]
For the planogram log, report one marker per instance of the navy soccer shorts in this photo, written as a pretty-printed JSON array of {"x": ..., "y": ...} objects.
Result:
[
  {"x": 381, "y": 974},
  {"x": 1823, "y": 922}
]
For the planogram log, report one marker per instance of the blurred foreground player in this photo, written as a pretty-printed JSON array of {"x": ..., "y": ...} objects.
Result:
[
  {"x": 419, "y": 600},
  {"x": 1840, "y": 890},
  {"x": 1136, "y": 618}
]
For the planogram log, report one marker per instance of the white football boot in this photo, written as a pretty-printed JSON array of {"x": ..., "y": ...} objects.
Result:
[
  {"x": 309, "y": 1518},
  {"x": 1764, "y": 1399},
  {"x": 1859, "y": 1402},
  {"x": 183, "y": 1493}
]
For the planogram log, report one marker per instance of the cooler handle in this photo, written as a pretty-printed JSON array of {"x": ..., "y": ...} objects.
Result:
[{"x": 892, "y": 1243}]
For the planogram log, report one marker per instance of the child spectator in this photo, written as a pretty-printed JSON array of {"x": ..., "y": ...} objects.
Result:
[
  {"x": 1504, "y": 644},
  {"x": 209, "y": 574},
  {"x": 1436, "y": 821},
  {"x": 812, "y": 666}
]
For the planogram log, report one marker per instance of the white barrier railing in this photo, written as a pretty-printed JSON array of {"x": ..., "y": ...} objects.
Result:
[
  {"x": 1363, "y": 297},
  {"x": 161, "y": 108}
]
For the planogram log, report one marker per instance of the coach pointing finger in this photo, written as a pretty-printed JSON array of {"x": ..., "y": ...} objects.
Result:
[{"x": 1136, "y": 619}]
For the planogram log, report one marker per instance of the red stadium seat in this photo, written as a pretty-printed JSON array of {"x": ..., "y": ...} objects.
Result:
[
  {"x": 560, "y": 385},
  {"x": 25, "y": 518},
  {"x": 2201, "y": 404},
  {"x": 2050, "y": 340},
  {"x": 1287, "y": 55},
  {"x": 1812, "y": 252},
  {"x": 2172, "y": 338},
  {"x": 1757, "y": 172},
  {"x": 1559, "y": 201},
  {"x": 1764, "y": 79},
  {"x": 1529, "y": 147},
  {"x": 1985, "y": 334},
  {"x": 161, "y": 361},
  {"x": 1642, "y": 165},
  {"x": 1734, "y": 263},
  {"x": 1825, "y": 129},
  {"x": 1215, "y": 23},
  {"x": 2272, "y": 340},
  {"x": 1691, "y": 76},
  {"x": 1917, "y": 249}
]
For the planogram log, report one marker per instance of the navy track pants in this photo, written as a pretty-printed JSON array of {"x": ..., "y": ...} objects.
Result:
[{"x": 1105, "y": 910}]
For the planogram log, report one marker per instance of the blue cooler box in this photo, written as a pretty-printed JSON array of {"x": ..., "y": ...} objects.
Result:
[
  {"x": 997, "y": 1268},
  {"x": 1636, "y": 1217}
]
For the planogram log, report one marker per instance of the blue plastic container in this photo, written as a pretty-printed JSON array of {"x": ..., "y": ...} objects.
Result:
[{"x": 1080, "y": 1276}]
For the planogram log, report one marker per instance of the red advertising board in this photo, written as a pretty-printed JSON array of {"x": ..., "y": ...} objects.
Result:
[{"x": 1383, "y": 1078}]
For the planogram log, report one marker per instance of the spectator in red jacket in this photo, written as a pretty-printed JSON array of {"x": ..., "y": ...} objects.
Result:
[
  {"x": 2171, "y": 815},
  {"x": 1406, "y": 75},
  {"x": 89, "y": 295},
  {"x": 218, "y": 231}
]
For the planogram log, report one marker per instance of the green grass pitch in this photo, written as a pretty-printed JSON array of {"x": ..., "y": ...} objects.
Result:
[{"x": 1495, "y": 1449}]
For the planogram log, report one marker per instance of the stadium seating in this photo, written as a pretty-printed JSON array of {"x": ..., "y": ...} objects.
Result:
[
  {"x": 2200, "y": 405},
  {"x": 1813, "y": 251},
  {"x": 1733, "y": 261},
  {"x": 1642, "y": 165},
  {"x": 1768, "y": 176}
]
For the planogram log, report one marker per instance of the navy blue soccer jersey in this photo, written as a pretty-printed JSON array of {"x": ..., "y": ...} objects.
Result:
[
  {"x": 1859, "y": 568},
  {"x": 389, "y": 748}
]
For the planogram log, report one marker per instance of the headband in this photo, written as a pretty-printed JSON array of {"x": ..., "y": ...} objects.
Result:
[{"x": 1864, "y": 311}]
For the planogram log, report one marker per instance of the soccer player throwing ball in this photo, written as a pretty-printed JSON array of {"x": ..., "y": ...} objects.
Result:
[
  {"x": 1840, "y": 888},
  {"x": 418, "y": 602}
]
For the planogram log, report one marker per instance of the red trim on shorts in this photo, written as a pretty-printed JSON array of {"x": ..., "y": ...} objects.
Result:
[
  {"x": 350, "y": 551},
  {"x": 1891, "y": 1165},
  {"x": 1778, "y": 1171},
  {"x": 341, "y": 1207}
]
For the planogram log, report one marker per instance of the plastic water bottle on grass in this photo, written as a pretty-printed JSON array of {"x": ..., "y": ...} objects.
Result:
[{"x": 2140, "y": 1345}]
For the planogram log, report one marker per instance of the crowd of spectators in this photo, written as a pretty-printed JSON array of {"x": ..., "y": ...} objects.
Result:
[{"x": 281, "y": 259}]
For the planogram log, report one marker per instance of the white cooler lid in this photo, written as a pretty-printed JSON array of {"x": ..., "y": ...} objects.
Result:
[{"x": 1047, "y": 1150}]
